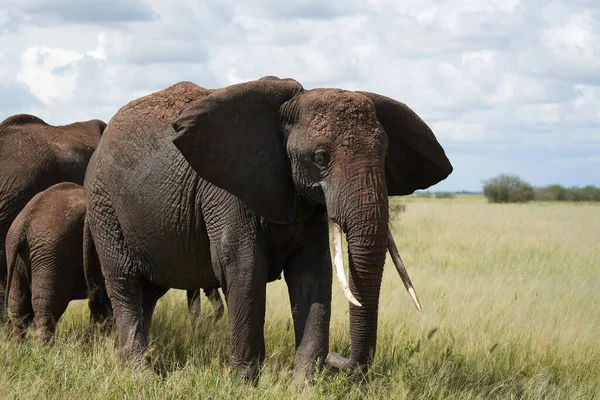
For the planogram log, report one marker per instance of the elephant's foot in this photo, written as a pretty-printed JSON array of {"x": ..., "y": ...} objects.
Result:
[
  {"x": 142, "y": 370},
  {"x": 19, "y": 333},
  {"x": 139, "y": 362},
  {"x": 246, "y": 372},
  {"x": 44, "y": 334}
]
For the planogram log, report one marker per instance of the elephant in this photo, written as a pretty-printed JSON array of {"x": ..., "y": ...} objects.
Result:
[
  {"x": 34, "y": 156},
  {"x": 193, "y": 187},
  {"x": 45, "y": 255}
]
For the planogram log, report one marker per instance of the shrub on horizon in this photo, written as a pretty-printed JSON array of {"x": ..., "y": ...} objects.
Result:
[{"x": 507, "y": 189}]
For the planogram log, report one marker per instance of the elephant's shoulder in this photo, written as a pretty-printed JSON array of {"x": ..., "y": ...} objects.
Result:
[
  {"x": 173, "y": 97},
  {"x": 20, "y": 120},
  {"x": 156, "y": 109}
]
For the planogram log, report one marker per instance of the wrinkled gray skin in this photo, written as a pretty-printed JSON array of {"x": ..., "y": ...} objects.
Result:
[
  {"x": 45, "y": 262},
  {"x": 204, "y": 188},
  {"x": 33, "y": 157}
]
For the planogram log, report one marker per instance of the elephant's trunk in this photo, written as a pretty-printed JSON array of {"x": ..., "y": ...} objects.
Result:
[
  {"x": 365, "y": 217},
  {"x": 366, "y": 256}
]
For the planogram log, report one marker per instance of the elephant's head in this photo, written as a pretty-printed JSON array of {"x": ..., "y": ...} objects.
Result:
[{"x": 269, "y": 141}]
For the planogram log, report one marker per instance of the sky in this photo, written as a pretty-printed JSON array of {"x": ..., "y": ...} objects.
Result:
[{"x": 507, "y": 86}]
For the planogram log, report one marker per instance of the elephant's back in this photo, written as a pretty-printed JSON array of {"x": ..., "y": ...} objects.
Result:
[
  {"x": 141, "y": 130},
  {"x": 28, "y": 141},
  {"x": 31, "y": 161},
  {"x": 153, "y": 113},
  {"x": 60, "y": 208},
  {"x": 26, "y": 166},
  {"x": 19, "y": 120}
]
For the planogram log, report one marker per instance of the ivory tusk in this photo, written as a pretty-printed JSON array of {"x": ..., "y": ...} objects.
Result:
[
  {"x": 338, "y": 262},
  {"x": 402, "y": 270}
]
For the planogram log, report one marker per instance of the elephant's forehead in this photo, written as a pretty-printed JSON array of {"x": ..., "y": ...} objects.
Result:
[
  {"x": 336, "y": 102},
  {"x": 335, "y": 113}
]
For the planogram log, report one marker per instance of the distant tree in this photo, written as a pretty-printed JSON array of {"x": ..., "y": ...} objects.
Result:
[
  {"x": 444, "y": 195},
  {"x": 507, "y": 189},
  {"x": 588, "y": 193},
  {"x": 551, "y": 193}
]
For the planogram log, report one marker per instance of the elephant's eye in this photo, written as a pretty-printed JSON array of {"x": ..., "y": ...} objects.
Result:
[{"x": 321, "y": 158}]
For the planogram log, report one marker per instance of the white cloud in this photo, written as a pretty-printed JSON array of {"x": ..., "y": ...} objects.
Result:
[
  {"x": 577, "y": 40},
  {"x": 503, "y": 81},
  {"x": 49, "y": 73}
]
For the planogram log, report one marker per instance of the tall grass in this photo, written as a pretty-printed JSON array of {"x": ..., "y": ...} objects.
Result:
[{"x": 511, "y": 297}]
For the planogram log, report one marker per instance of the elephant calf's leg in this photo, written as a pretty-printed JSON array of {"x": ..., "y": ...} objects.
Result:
[
  {"x": 20, "y": 306},
  {"x": 217, "y": 303},
  {"x": 194, "y": 306},
  {"x": 47, "y": 310}
]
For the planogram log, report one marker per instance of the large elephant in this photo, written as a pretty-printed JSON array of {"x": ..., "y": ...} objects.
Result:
[
  {"x": 204, "y": 188},
  {"x": 33, "y": 157},
  {"x": 47, "y": 239}
]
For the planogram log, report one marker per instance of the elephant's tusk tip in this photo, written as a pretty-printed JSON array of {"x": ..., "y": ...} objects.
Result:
[
  {"x": 356, "y": 303},
  {"x": 415, "y": 299},
  {"x": 350, "y": 296}
]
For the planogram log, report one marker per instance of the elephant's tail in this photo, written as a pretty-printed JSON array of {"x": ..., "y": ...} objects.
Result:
[
  {"x": 15, "y": 240},
  {"x": 91, "y": 264},
  {"x": 87, "y": 254}
]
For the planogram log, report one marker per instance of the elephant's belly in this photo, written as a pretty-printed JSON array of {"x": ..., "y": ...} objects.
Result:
[
  {"x": 179, "y": 260},
  {"x": 187, "y": 273}
]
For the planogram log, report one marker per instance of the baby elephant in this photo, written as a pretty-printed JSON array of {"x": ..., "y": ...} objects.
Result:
[{"x": 44, "y": 249}]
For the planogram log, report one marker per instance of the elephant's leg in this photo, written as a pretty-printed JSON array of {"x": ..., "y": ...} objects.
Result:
[
  {"x": 194, "y": 306},
  {"x": 50, "y": 296},
  {"x": 245, "y": 292},
  {"x": 133, "y": 300},
  {"x": 308, "y": 275},
  {"x": 100, "y": 310},
  {"x": 217, "y": 303},
  {"x": 19, "y": 303},
  {"x": 3, "y": 273}
]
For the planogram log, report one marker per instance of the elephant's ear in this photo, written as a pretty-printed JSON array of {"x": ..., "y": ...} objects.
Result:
[
  {"x": 415, "y": 159},
  {"x": 231, "y": 139}
]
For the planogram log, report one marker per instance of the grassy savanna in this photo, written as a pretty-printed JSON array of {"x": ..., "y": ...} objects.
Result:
[{"x": 511, "y": 297}]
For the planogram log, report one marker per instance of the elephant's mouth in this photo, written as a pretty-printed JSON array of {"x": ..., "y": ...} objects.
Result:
[{"x": 338, "y": 265}]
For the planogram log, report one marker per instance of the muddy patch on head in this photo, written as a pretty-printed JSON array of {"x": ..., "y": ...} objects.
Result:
[{"x": 346, "y": 118}]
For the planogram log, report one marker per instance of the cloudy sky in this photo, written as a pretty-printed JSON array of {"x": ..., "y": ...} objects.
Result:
[{"x": 508, "y": 86}]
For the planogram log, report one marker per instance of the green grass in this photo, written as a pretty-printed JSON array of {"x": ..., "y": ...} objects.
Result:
[{"x": 511, "y": 297}]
